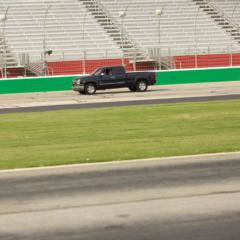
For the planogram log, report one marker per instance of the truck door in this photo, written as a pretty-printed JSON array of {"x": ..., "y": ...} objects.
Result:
[
  {"x": 110, "y": 78},
  {"x": 107, "y": 79},
  {"x": 120, "y": 77}
]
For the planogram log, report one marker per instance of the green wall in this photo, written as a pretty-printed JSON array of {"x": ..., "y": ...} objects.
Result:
[
  {"x": 198, "y": 76},
  {"x": 45, "y": 84}
]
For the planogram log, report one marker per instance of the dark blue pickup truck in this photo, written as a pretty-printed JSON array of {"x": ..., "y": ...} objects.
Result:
[{"x": 113, "y": 77}]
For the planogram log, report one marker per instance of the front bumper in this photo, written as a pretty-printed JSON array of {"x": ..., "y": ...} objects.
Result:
[{"x": 78, "y": 88}]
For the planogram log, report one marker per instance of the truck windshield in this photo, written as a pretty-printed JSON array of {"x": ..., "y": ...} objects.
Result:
[{"x": 97, "y": 72}]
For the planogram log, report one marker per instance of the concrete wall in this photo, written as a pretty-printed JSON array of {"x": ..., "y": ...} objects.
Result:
[
  {"x": 62, "y": 83},
  {"x": 198, "y": 75}
]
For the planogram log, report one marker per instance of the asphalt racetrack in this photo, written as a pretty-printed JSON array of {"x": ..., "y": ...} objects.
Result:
[
  {"x": 31, "y": 102},
  {"x": 177, "y": 198}
]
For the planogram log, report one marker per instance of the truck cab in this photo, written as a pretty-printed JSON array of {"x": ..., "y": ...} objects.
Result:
[{"x": 111, "y": 77}]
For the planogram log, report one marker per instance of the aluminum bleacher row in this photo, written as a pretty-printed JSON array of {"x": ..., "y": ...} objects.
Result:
[
  {"x": 64, "y": 29},
  {"x": 180, "y": 33},
  {"x": 177, "y": 25},
  {"x": 231, "y": 8}
]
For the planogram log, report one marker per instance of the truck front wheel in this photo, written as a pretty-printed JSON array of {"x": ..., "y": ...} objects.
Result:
[
  {"x": 141, "y": 86},
  {"x": 132, "y": 89},
  {"x": 90, "y": 88}
]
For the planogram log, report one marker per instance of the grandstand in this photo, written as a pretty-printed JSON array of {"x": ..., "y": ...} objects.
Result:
[
  {"x": 64, "y": 29},
  {"x": 84, "y": 34},
  {"x": 177, "y": 25}
]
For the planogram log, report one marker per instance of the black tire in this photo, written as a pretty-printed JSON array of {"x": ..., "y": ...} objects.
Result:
[
  {"x": 90, "y": 88},
  {"x": 132, "y": 89},
  {"x": 141, "y": 86},
  {"x": 81, "y": 92}
]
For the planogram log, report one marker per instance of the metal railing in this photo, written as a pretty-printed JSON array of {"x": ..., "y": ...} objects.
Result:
[
  {"x": 161, "y": 59},
  {"x": 222, "y": 14}
]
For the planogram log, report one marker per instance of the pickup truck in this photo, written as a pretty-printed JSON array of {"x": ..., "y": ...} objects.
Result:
[{"x": 113, "y": 77}]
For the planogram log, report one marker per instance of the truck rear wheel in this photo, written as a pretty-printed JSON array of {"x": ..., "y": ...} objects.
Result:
[
  {"x": 141, "y": 86},
  {"x": 90, "y": 88}
]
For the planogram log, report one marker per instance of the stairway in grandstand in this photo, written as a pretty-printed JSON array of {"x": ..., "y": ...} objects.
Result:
[
  {"x": 64, "y": 34},
  {"x": 178, "y": 32},
  {"x": 220, "y": 18},
  {"x": 7, "y": 58},
  {"x": 115, "y": 31}
]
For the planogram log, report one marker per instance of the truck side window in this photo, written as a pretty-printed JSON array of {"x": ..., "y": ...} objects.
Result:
[
  {"x": 108, "y": 71},
  {"x": 118, "y": 71},
  {"x": 103, "y": 73}
]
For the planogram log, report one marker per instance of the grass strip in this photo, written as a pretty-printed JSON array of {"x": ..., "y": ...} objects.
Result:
[{"x": 135, "y": 132}]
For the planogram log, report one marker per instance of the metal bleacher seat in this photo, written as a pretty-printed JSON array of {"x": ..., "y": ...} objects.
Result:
[
  {"x": 64, "y": 30},
  {"x": 231, "y": 8},
  {"x": 177, "y": 25}
]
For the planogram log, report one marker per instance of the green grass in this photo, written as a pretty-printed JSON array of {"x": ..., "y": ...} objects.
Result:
[{"x": 96, "y": 135}]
